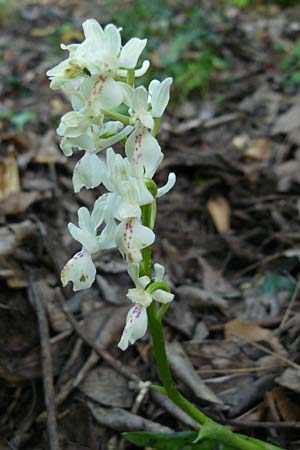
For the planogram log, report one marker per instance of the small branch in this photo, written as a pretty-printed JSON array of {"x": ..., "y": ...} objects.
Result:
[
  {"x": 116, "y": 116},
  {"x": 37, "y": 299},
  {"x": 264, "y": 349}
]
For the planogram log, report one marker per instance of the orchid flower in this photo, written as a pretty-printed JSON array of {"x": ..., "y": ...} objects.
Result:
[
  {"x": 95, "y": 138},
  {"x": 131, "y": 237},
  {"x": 80, "y": 270},
  {"x": 99, "y": 57},
  {"x": 97, "y": 77},
  {"x": 86, "y": 232},
  {"x": 136, "y": 321}
]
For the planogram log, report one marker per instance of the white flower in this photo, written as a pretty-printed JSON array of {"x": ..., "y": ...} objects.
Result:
[
  {"x": 86, "y": 233},
  {"x": 144, "y": 106},
  {"x": 134, "y": 193},
  {"x": 73, "y": 124},
  {"x": 136, "y": 321},
  {"x": 89, "y": 172},
  {"x": 135, "y": 328},
  {"x": 131, "y": 237},
  {"x": 137, "y": 101},
  {"x": 159, "y": 96},
  {"x": 161, "y": 295},
  {"x": 95, "y": 138},
  {"x": 138, "y": 294},
  {"x": 80, "y": 270},
  {"x": 144, "y": 153},
  {"x": 131, "y": 190},
  {"x": 99, "y": 55}
]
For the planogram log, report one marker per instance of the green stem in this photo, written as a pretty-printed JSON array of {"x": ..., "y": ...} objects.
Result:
[
  {"x": 156, "y": 126},
  {"x": 116, "y": 116},
  {"x": 130, "y": 77},
  {"x": 209, "y": 427}
]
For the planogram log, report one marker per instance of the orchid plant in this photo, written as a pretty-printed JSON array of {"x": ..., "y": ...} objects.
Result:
[{"x": 98, "y": 76}]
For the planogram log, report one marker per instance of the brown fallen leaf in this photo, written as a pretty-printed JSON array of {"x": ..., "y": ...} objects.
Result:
[
  {"x": 259, "y": 149},
  {"x": 12, "y": 236},
  {"x": 17, "y": 202},
  {"x": 48, "y": 152},
  {"x": 9, "y": 174},
  {"x": 281, "y": 406},
  {"x": 106, "y": 386},
  {"x": 250, "y": 331},
  {"x": 219, "y": 210}
]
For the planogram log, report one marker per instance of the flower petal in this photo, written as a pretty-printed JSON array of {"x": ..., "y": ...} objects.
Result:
[
  {"x": 87, "y": 239},
  {"x": 168, "y": 186},
  {"x": 73, "y": 124},
  {"x": 80, "y": 270},
  {"x": 112, "y": 39},
  {"x": 160, "y": 96},
  {"x": 144, "y": 153},
  {"x": 89, "y": 172},
  {"x": 159, "y": 272},
  {"x": 140, "y": 99},
  {"x": 84, "y": 219},
  {"x": 131, "y": 52},
  {"x": 139, "y": 296},
  {"x": 131, "y": 237},
  {"x": 107, "y": 142},
  {"x": 93, "y": 32},
  {"x": 162, "y": 296},
  {"x": 135, "y": 328},
  {"x": 111, "y": 94}
]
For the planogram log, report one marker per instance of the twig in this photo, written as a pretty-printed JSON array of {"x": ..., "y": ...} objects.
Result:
[
  {"x": 144, "y": 387},
  {"x": 37, "y": 299},
  {"x": 260, "y": 263},
  {"x": 252, "y": 424},
  {"x": 100, "y": 351},
  {"x": 239, "y": 369},
  {"x": 291, "y": 304},
  {"x": 266, "y": 350}
]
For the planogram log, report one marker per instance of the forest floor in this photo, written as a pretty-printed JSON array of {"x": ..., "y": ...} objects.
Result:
[{"x": 228, "y": 234}]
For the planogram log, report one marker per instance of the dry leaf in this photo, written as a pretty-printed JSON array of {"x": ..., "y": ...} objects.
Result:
[
  {"x": 290, "y": 379},
  {"x": 288, "y": 121},
  {"x": 259, "y": 149},
  {"x": 250, "y": 331},
  {"x": 107, "y": 387},
  {"x": 48, "y": 152},
  {"x": 282, "y": 406},
  {"x": 219, "y": 210},
  {"x": 9, "y": 175},
  {"x": 17, "y": 202}
]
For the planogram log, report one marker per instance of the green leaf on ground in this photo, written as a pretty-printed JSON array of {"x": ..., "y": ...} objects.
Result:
[{"x": 173, "y": 441}]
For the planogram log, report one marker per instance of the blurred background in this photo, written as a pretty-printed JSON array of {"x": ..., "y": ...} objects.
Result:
[{"x": 228, "y": 233}]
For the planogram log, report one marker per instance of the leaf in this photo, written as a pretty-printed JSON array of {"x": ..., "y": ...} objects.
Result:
[
  {"x": 20, "y": 119},
  {"x": 175, "y": 441},
  {"x": 250, "y": 331},
  {"x": 219, "y": 210},
  {"x": 9, "y": 175}
]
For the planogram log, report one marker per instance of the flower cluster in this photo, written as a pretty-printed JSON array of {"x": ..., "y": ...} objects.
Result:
[{"x": 98, "y": 77}]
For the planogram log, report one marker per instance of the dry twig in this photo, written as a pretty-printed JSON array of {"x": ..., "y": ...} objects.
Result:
[{"x": 37, "y": 300}]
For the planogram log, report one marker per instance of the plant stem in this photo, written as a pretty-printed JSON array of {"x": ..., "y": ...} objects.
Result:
[
  {"x": 222, "y": 433},
  {"x": 116, "y": 116}
]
